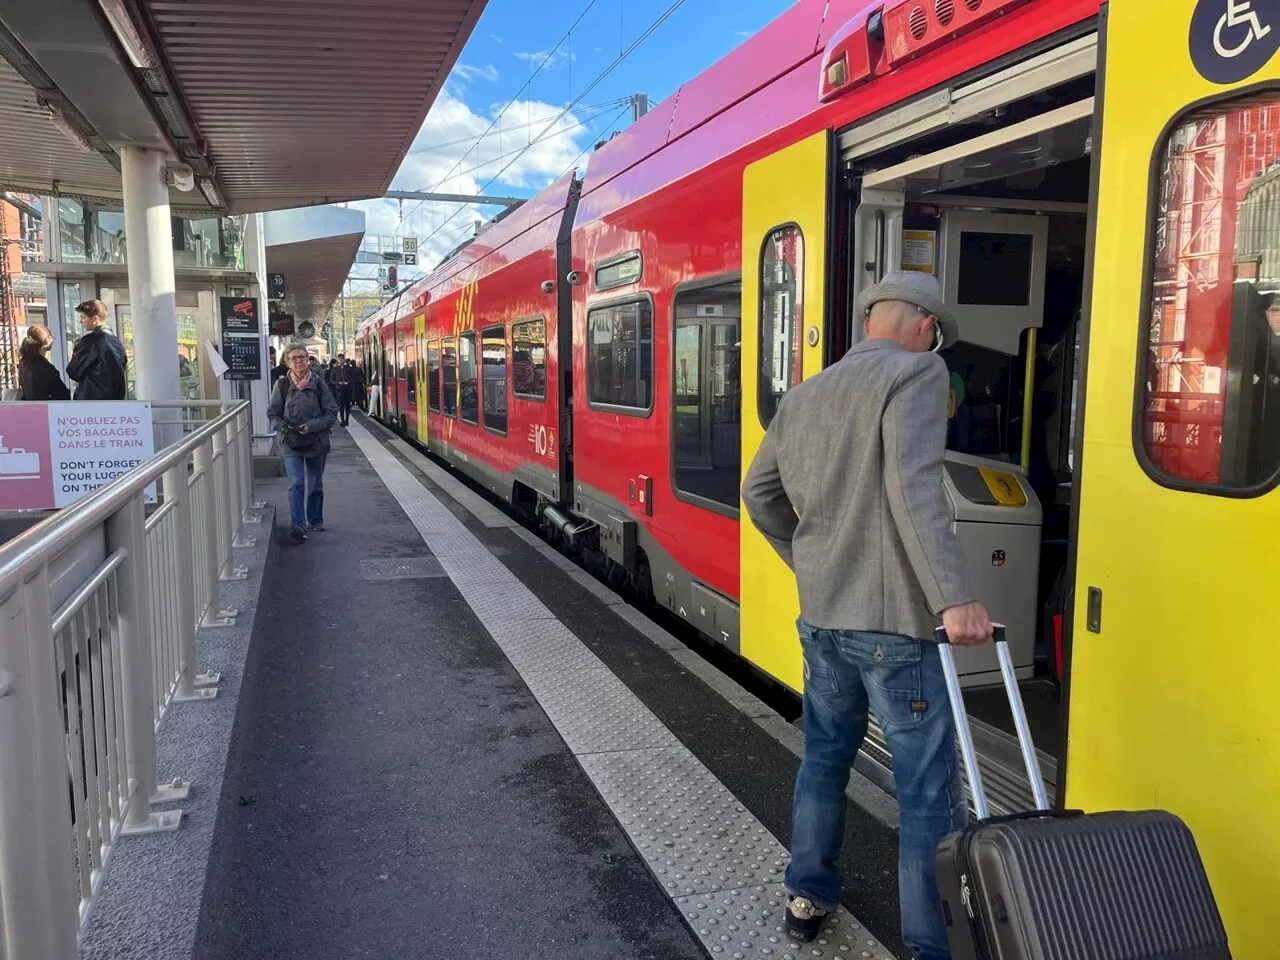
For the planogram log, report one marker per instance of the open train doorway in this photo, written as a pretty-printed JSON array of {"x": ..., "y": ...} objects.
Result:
[{"x": 997, "y": 209}]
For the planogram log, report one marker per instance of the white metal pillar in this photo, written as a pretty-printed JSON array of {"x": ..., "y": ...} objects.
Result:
[
  {"x": 255, "y": 257},
  {"x": 148, "y": 237}
]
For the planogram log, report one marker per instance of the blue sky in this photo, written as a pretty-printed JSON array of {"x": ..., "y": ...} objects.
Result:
[{"x": 511, "y": 40}]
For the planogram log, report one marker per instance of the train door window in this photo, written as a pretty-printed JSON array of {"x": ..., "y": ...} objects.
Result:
[
  {"x": 707, "y": 385},
  {"x": 529, "y": 359},
  {"x": 411, "y": 372},
  {"x": 433, "y": 375},
  {"x": 620, "y": 356},
  {"x": 1210, "y": 414},
  {"x": 781, "y": 317},
  {"x": 469, "y": 402},
  {"x": 493, "y": 368},
  {"x": 449, "y": 377}
]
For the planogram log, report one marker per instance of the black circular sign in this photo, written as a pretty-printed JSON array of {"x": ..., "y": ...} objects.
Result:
[
  {"x": 1231, "y": 40},
  {"x": 306, "y": 329}
]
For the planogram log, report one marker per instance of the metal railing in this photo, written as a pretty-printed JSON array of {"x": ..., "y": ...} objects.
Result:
[{"x": 99, "y": 608}]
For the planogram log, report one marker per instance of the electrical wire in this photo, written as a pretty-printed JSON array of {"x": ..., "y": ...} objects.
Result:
[
  {"x": 591, "y": 86},
  {"x": 603, "y": 107},
  {"x": 545, "y": 60}
]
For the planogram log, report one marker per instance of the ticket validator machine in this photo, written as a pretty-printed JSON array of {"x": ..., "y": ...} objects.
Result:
[{"x": 992, "y": 270}]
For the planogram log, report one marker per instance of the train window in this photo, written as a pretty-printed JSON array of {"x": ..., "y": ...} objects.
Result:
[
  {"x": 620, "y": 356},
  {"x": 1210, "y": 413},
  {"x": 707, "y": 386},
  {"x": 433, "y": 375},
  {"x": 619, "y": 271},
  {"x": 468, "y": 387},
  {"x": 493, "y": 368},
  {"x": 529, "y": 359},
  {"x": 781, "y": 317},
  {"x": 449, "y": 377}
]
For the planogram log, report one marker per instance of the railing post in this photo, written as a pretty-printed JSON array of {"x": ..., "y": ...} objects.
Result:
[
  {"x": 213, "y": 615},
  {"x": 235, "y": 489},
  {"x": 190, "y": 686},
  {"x": 221, "y": 496},
  {"x": 38, "y": 899},
  {"x": 246, "y": 445},
  {"x": 126, "y": 530}
]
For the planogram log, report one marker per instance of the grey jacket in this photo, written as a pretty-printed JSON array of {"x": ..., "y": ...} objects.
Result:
[
  {"x": 847, "y": 487},
  {"x": 290, "y": 408}
]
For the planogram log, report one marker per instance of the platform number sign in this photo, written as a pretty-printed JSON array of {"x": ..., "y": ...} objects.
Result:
[{"x": 275, "y": 286}]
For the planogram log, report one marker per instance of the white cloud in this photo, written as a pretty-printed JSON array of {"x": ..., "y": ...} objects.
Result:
[
  {"x": 559, "y": 56},
  {"x": 467, "y": 72},
  {"x": 465, "y": 167},
  {"x": 742, "y": 33},
  {"x": 495, "y": 38}
]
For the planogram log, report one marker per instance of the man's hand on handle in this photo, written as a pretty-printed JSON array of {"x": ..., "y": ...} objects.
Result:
[{"x": 967, "y": 625}]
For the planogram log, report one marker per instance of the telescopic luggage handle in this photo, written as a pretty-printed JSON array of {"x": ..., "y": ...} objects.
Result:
[{"x": 967, "y": 751}]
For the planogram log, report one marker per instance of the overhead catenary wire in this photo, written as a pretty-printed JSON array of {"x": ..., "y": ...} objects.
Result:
[
  {"x": 596, "y": 108},
  {"x": 461, "y": 230},
  {"x": 662, "y": 18},
  {"x": 545, "y": 60}
]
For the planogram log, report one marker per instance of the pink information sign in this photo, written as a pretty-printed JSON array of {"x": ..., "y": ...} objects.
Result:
[{"x": 52, "y": 454}]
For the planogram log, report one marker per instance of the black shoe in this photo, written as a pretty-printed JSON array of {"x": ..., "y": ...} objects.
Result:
[
  {"x": 299, "y": 535},
  {"x": 803, "y": 919},
  {"x": 317, "y": 526}
]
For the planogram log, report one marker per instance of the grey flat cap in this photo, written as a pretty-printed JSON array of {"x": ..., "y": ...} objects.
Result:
[{"x": 921, "y": 289}]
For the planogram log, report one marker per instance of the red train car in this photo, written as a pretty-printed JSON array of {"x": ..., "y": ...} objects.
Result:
[
  {"x": 607, "y": 357},
  {"x": 583, "y": 354}
]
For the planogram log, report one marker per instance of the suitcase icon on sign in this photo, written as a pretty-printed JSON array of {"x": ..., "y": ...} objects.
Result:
[{"x": 18, "y": 464}]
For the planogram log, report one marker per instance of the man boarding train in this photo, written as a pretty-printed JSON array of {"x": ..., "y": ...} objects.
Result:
[{"x": 847, "y": 488}]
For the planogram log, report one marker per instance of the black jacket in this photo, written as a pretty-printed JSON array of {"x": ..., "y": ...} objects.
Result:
[
  {"x": 39, "y": 380},
  {"x": 97, "y": 366},
  {"x": 290, "y": 408}
]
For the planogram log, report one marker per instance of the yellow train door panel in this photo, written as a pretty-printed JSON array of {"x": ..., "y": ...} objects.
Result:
[
  {"x": 1175, "y": 649},
  {"x": 784, "y": 229},
  {"x": 420, "y": 364}
]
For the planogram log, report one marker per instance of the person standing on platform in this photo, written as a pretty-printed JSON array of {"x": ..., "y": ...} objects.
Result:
[
  {"x": 340, "y": 381},
  {"x": 847, "y": 488},
  {"x": 358, "y": 393},
  {"x": 98, "y": 361},
  {"x": 302, "y": 413},
  {"x": 278, "y": 369},
  {"x": 38, "y": 379}
]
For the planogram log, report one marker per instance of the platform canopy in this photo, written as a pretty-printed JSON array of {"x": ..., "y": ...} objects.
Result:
[{"x": 271, "y": 103}]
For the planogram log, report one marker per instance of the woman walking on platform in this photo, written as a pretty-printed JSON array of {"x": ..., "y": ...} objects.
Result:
[
  {"x": 37, "y": 377},
  {"x": 302, "y": 412}
]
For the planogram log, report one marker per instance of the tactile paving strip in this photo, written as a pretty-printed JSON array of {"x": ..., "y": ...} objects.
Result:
[
  {"x": 717, "y": 862},
  {"x": 746, "y": 924}
]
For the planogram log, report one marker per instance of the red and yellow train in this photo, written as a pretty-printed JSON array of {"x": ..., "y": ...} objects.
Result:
[{"x": 1094, "y": 185}]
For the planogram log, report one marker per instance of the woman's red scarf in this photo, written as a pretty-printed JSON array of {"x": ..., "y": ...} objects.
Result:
[{"x": 299, "y": 383}]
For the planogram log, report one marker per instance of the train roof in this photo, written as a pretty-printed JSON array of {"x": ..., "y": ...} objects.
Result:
[{"x": 796, "y": 35}]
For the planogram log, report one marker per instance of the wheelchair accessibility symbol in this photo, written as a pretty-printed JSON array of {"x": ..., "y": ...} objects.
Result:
[{"x": 1230, "y": 40}]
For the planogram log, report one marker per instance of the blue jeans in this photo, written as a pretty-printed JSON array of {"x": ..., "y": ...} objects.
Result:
[
  {"x": 306, "y": 489},
  {"x": 899, "y": 679}
]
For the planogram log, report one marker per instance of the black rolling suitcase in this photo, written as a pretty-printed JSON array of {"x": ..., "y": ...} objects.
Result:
[{"x": 1063, "y": 885}]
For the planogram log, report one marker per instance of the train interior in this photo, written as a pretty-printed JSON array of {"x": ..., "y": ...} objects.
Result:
[{"x": 997, "y": 209}]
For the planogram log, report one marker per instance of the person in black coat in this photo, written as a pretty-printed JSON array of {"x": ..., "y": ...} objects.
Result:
[
  {"x": 38, "y": 379},
  {"x": 98, "y": 362}
]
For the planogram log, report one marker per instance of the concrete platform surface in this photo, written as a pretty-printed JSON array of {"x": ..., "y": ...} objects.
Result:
[{"x": 449, "y": 743}]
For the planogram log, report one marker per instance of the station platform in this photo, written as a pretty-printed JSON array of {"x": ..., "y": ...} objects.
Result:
[{"x": 452, "y": 741}]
